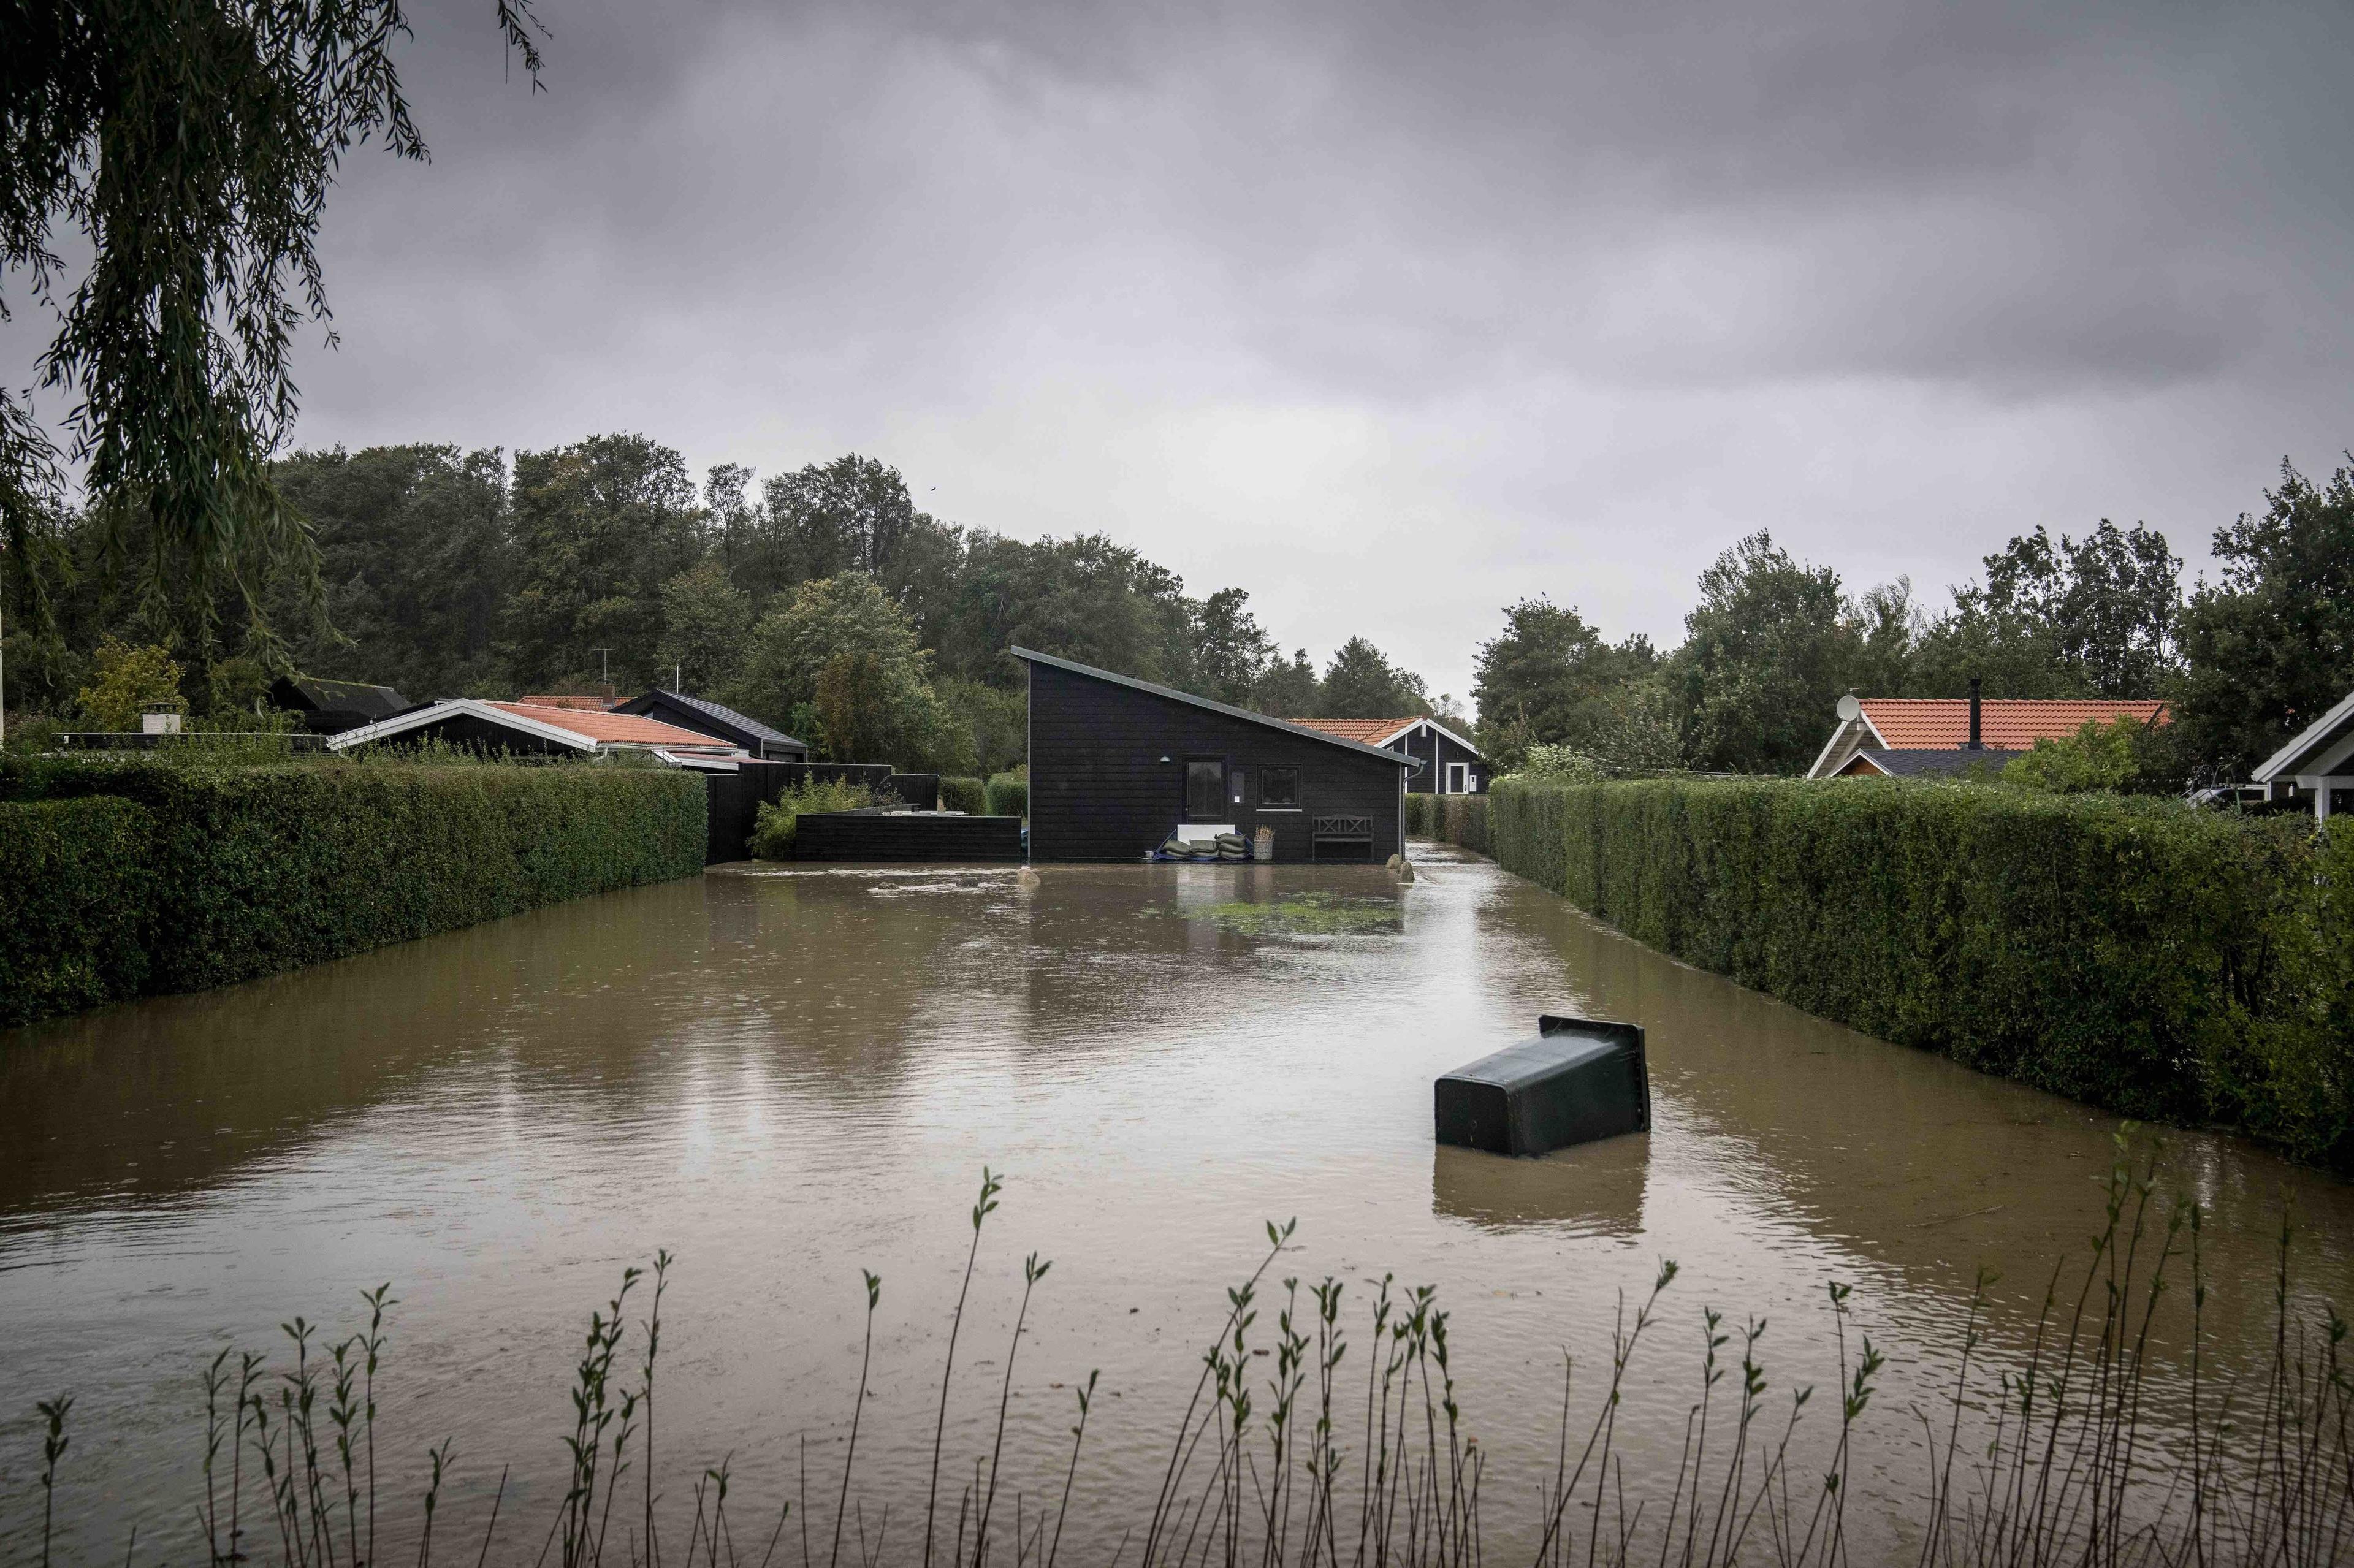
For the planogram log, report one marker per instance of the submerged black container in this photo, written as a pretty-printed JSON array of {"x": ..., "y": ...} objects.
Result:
[{"x": 1580, "y": 1079}]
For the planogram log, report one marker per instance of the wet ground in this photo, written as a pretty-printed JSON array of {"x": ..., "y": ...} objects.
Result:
[{"x": 785, "y": 1075}]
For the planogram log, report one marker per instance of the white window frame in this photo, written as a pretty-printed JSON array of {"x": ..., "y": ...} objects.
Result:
[{"x": 1458, "y": 778}]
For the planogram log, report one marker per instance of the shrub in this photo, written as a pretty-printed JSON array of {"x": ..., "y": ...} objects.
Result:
[
  {"x": 1563, "y": 762},
  {"x": 1009, "y": 794},
  {"x": 126, "y": 682},
  {"x": 253, "y": 870},
  {"x": 970, "y": 795},
  {"x": 75, "y": 882},
  {"x": 2097, "y": 757},
  {"x": 2158, "y": 961},
  {"x": 773, "y": 826}
]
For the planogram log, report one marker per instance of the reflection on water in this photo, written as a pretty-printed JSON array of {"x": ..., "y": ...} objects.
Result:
[
  {"x": 784, "y": 1075},
  {"x": 1596, "y": 1189}
]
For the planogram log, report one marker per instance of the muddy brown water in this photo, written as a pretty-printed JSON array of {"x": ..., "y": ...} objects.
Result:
[{"x": 785, "y": 1075}]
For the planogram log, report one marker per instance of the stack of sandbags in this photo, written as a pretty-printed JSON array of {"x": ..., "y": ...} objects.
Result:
[{"x": 1232, "y": 846}]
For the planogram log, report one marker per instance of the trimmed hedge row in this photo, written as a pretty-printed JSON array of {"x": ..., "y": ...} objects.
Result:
[
  {"x": 1009, "y": 795},
  {"x": 970, "y": 795},
  {"x": 76, "y": 883},
  {"x": 121, "y": 878},
  {"x": 2186, "y": 965}
]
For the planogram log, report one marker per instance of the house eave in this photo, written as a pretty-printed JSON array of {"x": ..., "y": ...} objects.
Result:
[
  {"x": 1395, "y": 758},
  {"x": 433, "y": 713},
  {"x": 2313, "y": 739}
]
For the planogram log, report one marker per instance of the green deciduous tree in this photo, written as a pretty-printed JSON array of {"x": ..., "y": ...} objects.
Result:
[
  {"x": 2095, "y": 616},
  {"x": 1231, "y": 653},
  {"x": 871, "y": 707},
  {"x": 1766, "y": 656},
  {"x": 1549, "y": 678},
  {"x": 825, "y": 620},
  {"x": 1288, "y": 688},
  {"x": 706, "y": 628},
  {"x": 413, "y": 545},
  {"x": 125, "y": 681},
  {"x": 2271, "y": 647},
  {"x": 600, "y": 526},
  {"x": 1360, "y": 683},
  {"x": 1085, "y": 598}
]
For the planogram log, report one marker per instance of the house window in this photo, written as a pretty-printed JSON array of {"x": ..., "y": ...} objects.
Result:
[
  {"x": 1458, "y": 778},
  {"x": 1278, "y": 787},
  {"x": 1205, "y": 788}
]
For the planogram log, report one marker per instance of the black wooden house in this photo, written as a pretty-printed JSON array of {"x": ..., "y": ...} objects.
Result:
[
  {"x": 706, "y": 718},
  {"x": 1118, "y": 764}
]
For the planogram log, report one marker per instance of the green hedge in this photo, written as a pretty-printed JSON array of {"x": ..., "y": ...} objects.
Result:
[
  {"x": 1009, "y": 795},
  {"x": 970, "y": 795},
  {"x": 240, "y": 872},
  {"x": 2162, "y": 962},
  {"x": 74, "y": 886},
  {"x": 1456, "y": 818}
]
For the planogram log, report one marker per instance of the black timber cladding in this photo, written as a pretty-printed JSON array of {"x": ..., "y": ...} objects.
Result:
[
  {"x": 1100, "y": 791},
  {"x": 879, "y": 837}
]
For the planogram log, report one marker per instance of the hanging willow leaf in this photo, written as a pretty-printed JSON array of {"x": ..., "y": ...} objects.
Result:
[{"x": 188, "y": 147}]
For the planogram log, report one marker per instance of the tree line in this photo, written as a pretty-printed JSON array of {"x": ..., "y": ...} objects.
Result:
[
  {"x": 822, "y": 601},
  {"x": 1774, "y": 642}
]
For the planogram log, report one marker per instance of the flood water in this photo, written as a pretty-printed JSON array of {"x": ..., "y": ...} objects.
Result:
[{"x": 784, "y": 1075}]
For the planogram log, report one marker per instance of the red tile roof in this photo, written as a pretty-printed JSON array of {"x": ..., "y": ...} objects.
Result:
[
  {"x": 2011, "y": 723},
  {"x": 616, "y": 730},
  {"x": 1364, "y": 732}
]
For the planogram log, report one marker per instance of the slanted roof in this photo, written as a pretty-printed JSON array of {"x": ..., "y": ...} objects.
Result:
[
  {"x": 616, "y": 730},
  {"x": 2306, "y": 748},
  {"x": 1381, "y": 732},
  {"x": 1369, "y": 732},
  {"x": 1929, "y": 723},
  {"x": 308, "y": 693},
  {"x": 1190, "y": 700},
  {"x": 741, "y": 727},
  {"x": 1927, "y": 763},
  {"x": 574, "y": 728}
]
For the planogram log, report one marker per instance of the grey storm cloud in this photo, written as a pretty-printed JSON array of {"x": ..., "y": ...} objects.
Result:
[{"x": 1391, "y": 313}]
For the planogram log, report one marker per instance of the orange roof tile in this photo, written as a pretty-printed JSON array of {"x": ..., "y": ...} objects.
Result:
[
  {"x": 1364, "y": 732},
  {"x": 1929, "y": 723},
  {"x": 617, "y": 729}
]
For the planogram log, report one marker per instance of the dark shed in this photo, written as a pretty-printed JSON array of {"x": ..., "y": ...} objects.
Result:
[
  {"x": 331, "y": 707},
  {"x": 706, "y": 718},
  {"x": 1117, "y": 764}
]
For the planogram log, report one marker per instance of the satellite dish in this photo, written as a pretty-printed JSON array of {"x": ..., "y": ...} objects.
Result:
[{"x": 1848, "y": 708}]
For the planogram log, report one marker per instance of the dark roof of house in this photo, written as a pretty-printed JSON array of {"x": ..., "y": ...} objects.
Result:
[
  {"x": 1190, "y": 700},
  {"x": 736, "y": 725},
  {"x": 338, "y": 697},
  {"x": 1916, "y": 762}
]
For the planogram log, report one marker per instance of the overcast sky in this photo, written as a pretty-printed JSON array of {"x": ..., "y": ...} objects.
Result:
[{"x": 1392, "y": 315}]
